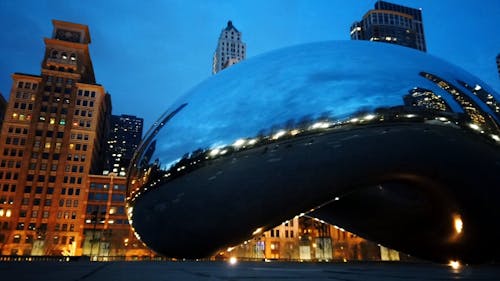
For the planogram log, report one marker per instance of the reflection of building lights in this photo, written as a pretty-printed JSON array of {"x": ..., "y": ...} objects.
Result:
[
  {"x": 410, "y": 115},
  {"x": 443, "y": 119},
  {"x": 230, "y": 249},
  {"x": 294, "y": 132},
  {"x": 354, "y": 120},
  {"x": 458, "y": 223},
  {"x": 474, "y": 127},
  {"x": 257, "y": 231},
  {"x": 214, "y": 152},
  {"x": 233, "y": 260},
  {"x": 252, "y": 141},
  {"x": 278, "y": 135},
  {"x": 369, "y": 117},
  {"x": 495, "y": 137},
  {"x": 477, "y": 88},
  {"x": 320, "y": 125},
  {"x": 454, "y": 264},
  {"x": 239, "y": 143}
]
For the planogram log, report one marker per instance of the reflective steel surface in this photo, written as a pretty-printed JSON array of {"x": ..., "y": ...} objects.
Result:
[{"x": 390, "y": 143}]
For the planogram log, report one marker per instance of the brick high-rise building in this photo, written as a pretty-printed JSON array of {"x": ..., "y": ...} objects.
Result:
[
  {"x": 391, "y": 23},
  {"x": 230, "y": 49},
  {"x": 51, "y": 140}
]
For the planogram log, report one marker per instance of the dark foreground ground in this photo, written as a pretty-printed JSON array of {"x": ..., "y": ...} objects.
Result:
[{"x": 96, "y": 271}]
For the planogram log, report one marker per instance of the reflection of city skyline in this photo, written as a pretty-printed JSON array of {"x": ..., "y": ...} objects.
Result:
[{"x": 420, "y": 105}]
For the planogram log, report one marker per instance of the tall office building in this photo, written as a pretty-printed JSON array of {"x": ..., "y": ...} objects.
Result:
[
  {"x": 51, "y": 140},
  {"x": 124, "y": 137},
  {"x": 230, "y": 49},
  {"x": 391, "y": 23}
]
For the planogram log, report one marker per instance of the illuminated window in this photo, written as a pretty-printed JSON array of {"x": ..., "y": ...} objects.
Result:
[{"x": 52, "y": 121}]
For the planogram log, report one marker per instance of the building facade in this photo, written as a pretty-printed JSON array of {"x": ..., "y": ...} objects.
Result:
[
  {"x": 107, "y": 233},
  {"x": 51, "y": 140},
  {"x": 391, "y": 23},
  {"x": 230, "y": 49},
  {"x": 308, "y": 239},
  {"x": 124, "y": 137}
]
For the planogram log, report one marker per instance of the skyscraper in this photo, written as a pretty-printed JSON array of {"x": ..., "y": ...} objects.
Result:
[
  {"x": 230, "y": 49},
  {"x": 51, "y": 141},
  {"x": 391, "y": 23},
  {"x": 123, "y": 139}
]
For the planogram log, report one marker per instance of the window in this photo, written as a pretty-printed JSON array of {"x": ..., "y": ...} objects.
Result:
[
  {"x": 16, "y": 239},
  {"x": 118, "y": 198}
]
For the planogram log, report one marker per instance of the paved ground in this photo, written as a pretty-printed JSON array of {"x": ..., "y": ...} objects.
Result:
[{"x": 131, "y": 271}]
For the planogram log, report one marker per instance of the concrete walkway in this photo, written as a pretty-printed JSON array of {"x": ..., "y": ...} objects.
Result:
[{"x": 141, "y": 271}]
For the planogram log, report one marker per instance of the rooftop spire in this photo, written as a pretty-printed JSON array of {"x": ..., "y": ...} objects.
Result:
[{"x": 231, "y": 26}]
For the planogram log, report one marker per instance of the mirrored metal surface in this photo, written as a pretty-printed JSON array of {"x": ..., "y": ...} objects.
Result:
[{"x": 391, "y": 143}]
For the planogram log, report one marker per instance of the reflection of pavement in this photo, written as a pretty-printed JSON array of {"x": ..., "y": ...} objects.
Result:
[{"x": 181, "y": 271}]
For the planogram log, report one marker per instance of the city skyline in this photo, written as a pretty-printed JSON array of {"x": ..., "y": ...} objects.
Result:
[{"x": 166, "y": 48}]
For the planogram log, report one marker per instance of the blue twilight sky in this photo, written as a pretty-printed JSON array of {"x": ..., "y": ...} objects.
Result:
[{"x": 148, "y": 53}]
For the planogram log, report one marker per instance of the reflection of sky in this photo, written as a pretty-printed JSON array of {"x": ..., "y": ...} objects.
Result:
[{"x": 338, "y": 78}]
